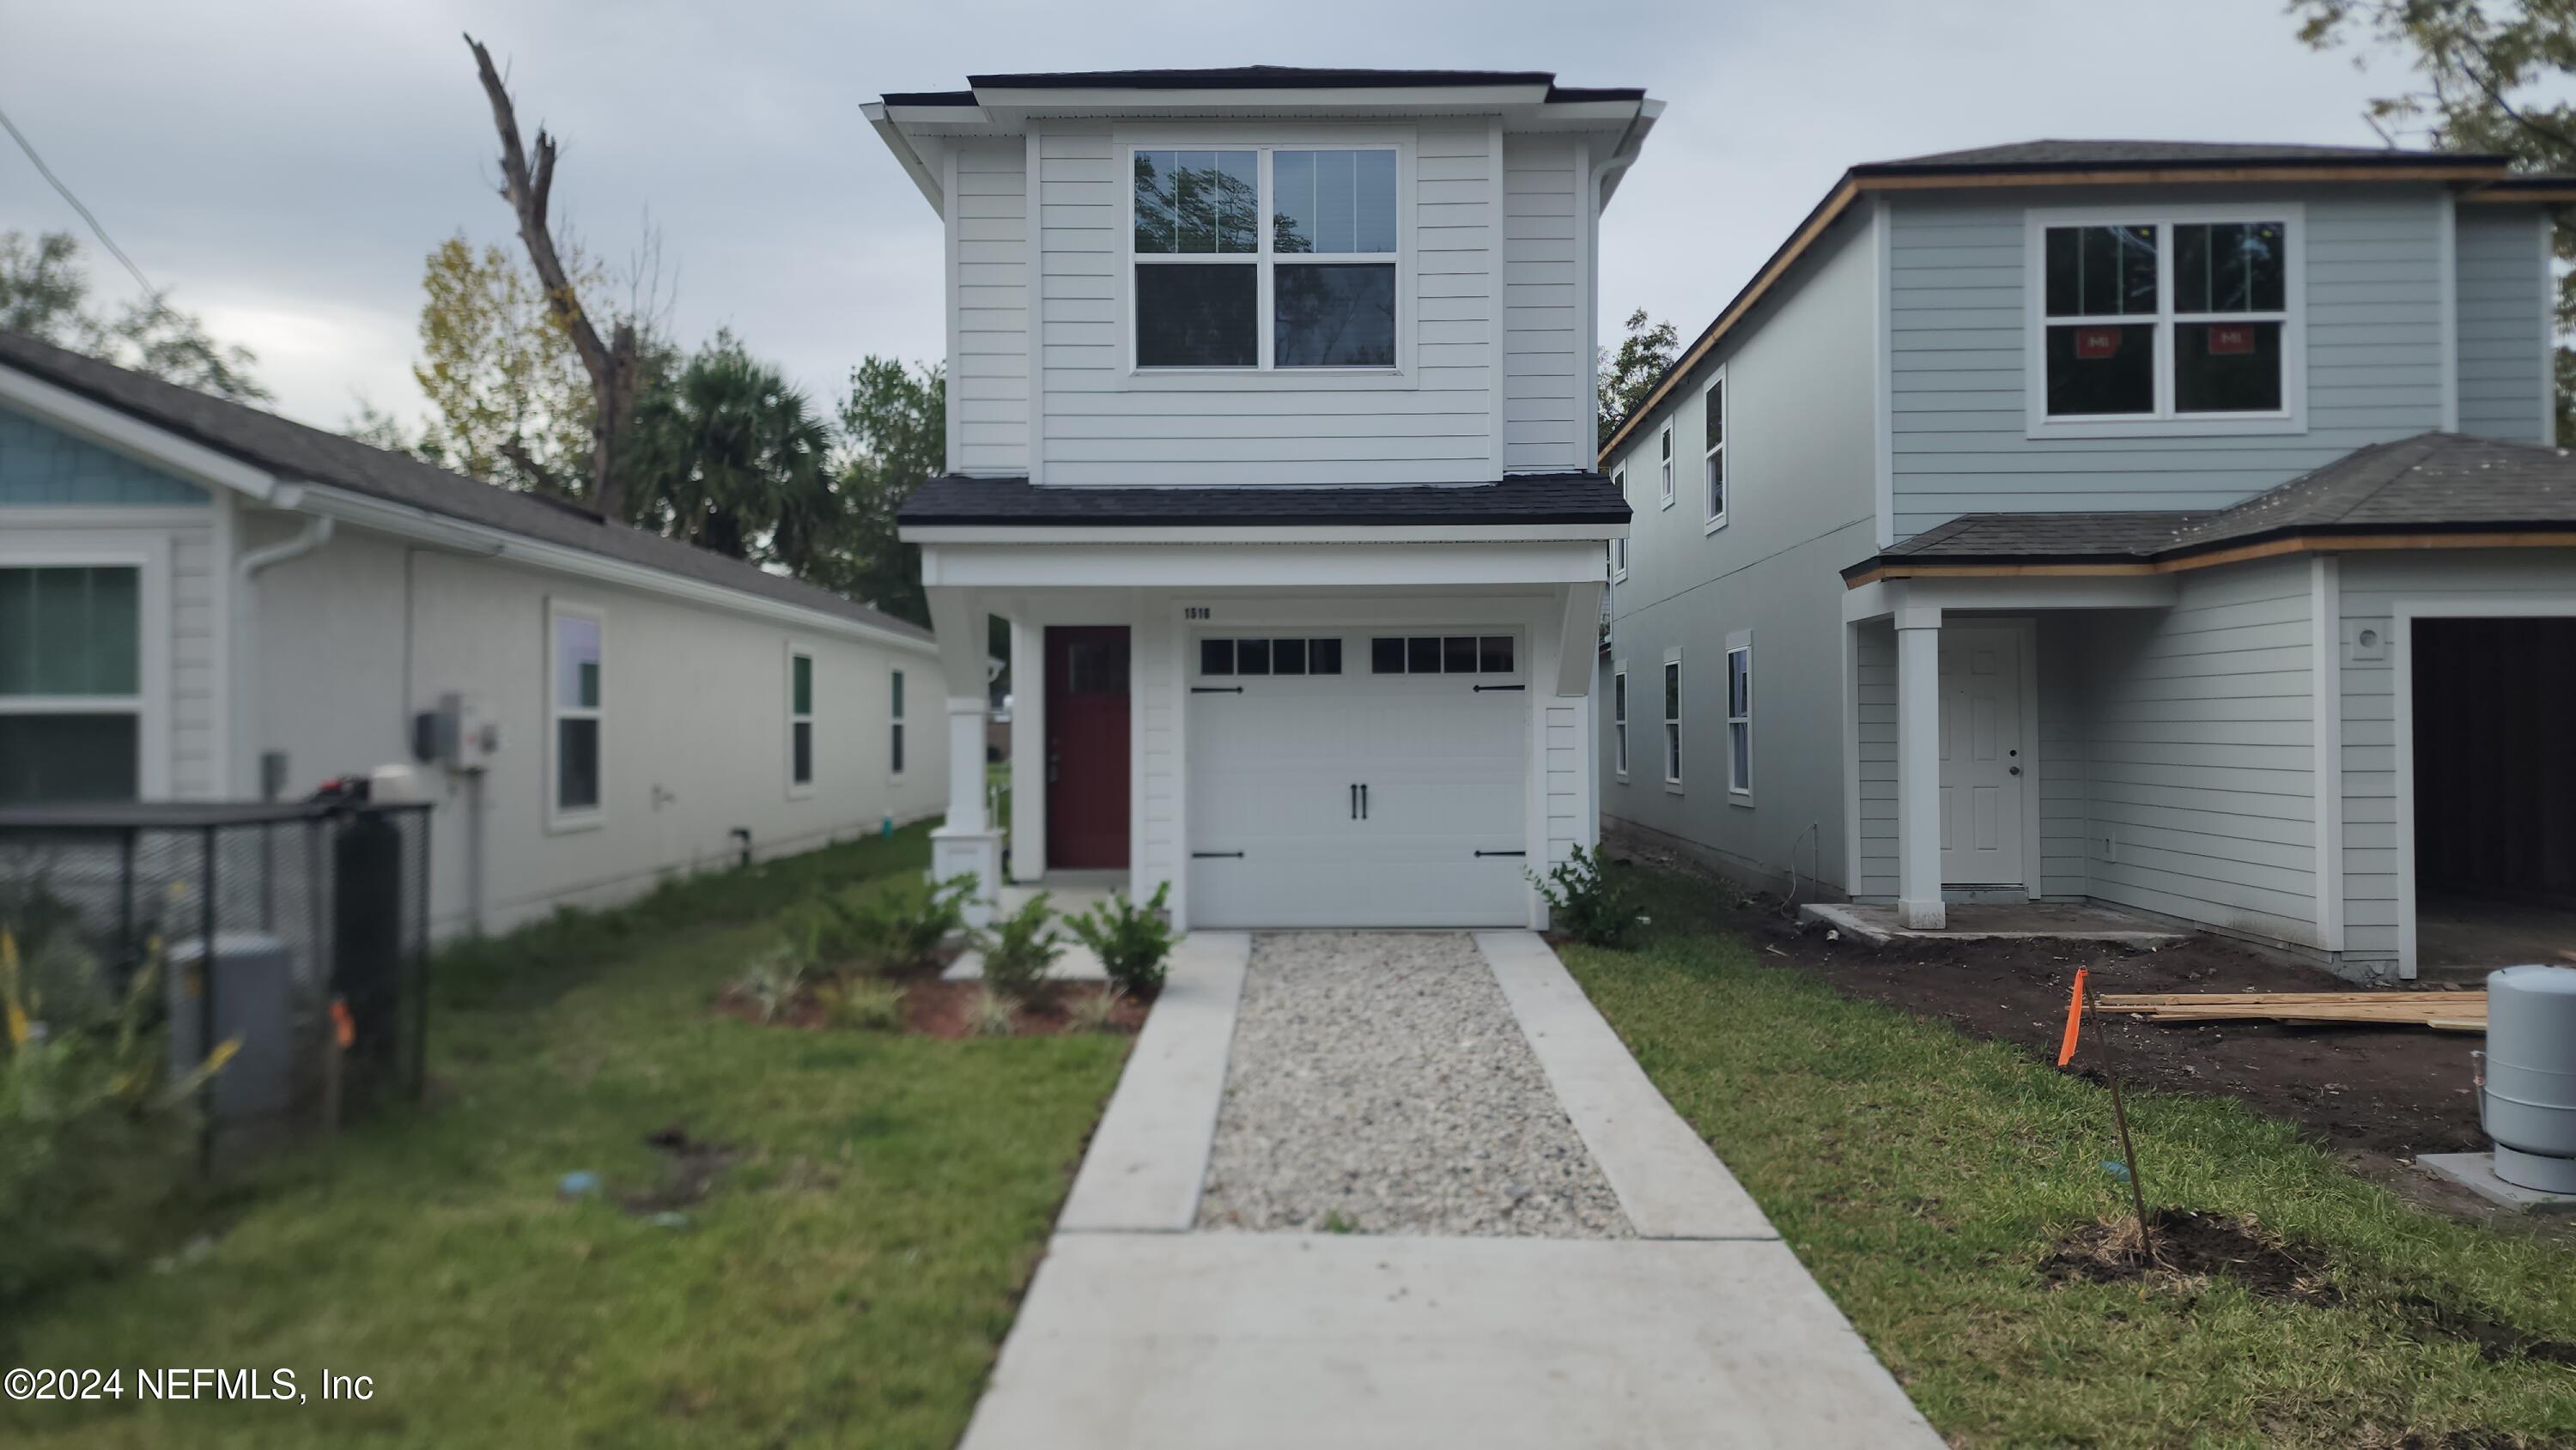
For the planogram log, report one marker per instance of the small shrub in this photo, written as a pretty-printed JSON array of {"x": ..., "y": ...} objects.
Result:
[
  {"x": 862, "y": 1006},
  {"x": 1589, "y": 899},
  {"x": 772, "y": 982},
  {"x": 1092, "y": 1011},
  {"x": 890, "y": 931},
  {"x": 1134, "y": 943},
  {"x": 93, "y": 1129},
  {"x": 993, "y": 1015},
  {"x": 1019, "y": 948}
]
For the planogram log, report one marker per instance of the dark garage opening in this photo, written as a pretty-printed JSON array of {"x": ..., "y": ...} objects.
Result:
[{"x": 2495, "y": 789}]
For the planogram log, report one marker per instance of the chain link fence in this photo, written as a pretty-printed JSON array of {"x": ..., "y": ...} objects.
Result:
[{"x": 296, "y": 933}]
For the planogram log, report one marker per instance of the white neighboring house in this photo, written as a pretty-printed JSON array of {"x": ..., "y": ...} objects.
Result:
[
  {"x": 203, "y": 601},
  {"x": 1270, "y": 434}
]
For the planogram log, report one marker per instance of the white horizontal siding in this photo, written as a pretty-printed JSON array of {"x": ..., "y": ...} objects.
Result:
[
  {"x": 2504, "y": 303},
  {"x": 1546, "y": 425},
  {"x": 195, "y": 771},
  {"x": 988, "y": 371},
  {"x": 1958, "y": 340},
  {"x": 1100, "y": 425}
]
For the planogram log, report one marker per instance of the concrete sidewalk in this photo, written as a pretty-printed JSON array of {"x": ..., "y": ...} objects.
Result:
[{"x": 1704, "y": 1330}]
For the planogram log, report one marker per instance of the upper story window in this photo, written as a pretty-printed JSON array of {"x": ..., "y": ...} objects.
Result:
[
  {"x": 1664, "y": 442},
  {"x": 1619, "y": 546},
  {"x": 1713, "y": 455},
  {"x": 1314, "y": 287},
  {"x": 2182, "y": 323}
]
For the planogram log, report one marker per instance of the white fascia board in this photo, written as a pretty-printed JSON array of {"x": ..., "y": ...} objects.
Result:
[
  {"x": 2117, "y": 591},
  {"x": 438, "y": 530},
  {"x": 1272, "y": 100},
  {"x": 1270, "y": 566},
  {"x": 137, "y": 439},
  {"x": 1258, "y": 536},
  {"x": 890, "y": 130}
]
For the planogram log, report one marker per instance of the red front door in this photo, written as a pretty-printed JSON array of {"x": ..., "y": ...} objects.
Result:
[{"x": 1086, "y": 744}]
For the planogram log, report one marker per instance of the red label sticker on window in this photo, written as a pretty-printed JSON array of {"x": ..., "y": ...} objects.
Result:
[
  {"x": 2230, "y": 341},
  {"x": 2097, "y": 342}
]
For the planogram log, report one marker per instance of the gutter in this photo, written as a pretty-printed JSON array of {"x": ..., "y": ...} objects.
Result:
[{"x": 243, "y": 633}]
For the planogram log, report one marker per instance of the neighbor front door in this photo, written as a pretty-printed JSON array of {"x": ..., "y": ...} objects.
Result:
[
  {"x": 1086, "y": 747},
  {"x": 1983, "y": 755}
]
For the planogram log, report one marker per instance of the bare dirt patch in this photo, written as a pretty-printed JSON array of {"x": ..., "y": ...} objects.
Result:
[
  {"x": 2190, "y": 1249},
  {"x": 689, "y": 1168}
]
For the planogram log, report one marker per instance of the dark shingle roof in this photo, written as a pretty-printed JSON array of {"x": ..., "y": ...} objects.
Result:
[
  {"x": 1552, "y": 498},
  {"x": 297, "y": 453},
  {"x": 2432, "y": 483},
  {"x": 2153, "y": 155}
]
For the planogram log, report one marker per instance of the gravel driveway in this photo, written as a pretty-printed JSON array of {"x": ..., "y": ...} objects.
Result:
[{"x": 1379, "y": 1084}]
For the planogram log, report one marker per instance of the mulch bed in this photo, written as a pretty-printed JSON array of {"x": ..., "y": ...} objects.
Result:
[
  {"x": 2382, "y": 1092},
  {"x": 947, "y": 1009}
]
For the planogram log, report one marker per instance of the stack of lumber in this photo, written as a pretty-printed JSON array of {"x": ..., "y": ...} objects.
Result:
[{"x": 2442, "y": 1011}]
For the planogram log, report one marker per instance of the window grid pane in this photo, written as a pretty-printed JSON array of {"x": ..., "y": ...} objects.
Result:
[
  {"x": 802, "y": 692},
  {"x": 71, "y": 631}
]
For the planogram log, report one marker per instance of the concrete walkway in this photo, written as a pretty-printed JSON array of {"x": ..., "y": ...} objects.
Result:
[{"x": 1703, "y": 1330}]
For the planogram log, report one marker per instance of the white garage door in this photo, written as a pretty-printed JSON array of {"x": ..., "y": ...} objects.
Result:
[{"x": 1358, "y": 779}]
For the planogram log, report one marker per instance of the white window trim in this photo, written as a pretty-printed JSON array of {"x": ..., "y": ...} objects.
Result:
[
  {"x": 1220, "y": 136},
  {"x": 1619, "y": 545},
  {"x": 1725, "y": 428},
  {"x": 898, "y": 724},
  {"x": 2165, "y": 422},
  {"x": 149, "y": 556},
  {"x": 798, "y": 649},
  {"x": 590, "y": 818},
  {"x": 1664, "y": 442},
  {"x": 1739, "y": 643},
  {"x": 1668, "y": 697},
  {"x": 1622, "y": 701}
]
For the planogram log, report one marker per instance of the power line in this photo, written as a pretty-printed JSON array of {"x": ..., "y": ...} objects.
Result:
[{"x": 104, "y": 239}]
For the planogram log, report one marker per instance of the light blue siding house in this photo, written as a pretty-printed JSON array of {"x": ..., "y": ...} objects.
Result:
[{"x": 2178, "y": 527}]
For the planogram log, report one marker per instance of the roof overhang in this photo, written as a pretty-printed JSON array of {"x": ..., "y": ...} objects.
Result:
[
  {"x": 2475, "y": 178},
  {"x": 917, "y": 126},
  {"x": 1884, "y": 568},
  {"x": 122, "y": 432},
  {"x": 1259, "y": 536},
  {"x": 1334, "y": 565}
]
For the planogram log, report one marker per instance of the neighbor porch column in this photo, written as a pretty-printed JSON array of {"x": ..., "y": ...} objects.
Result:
[
  {"x": 966, "y": 843},
  {"x": 1918, "y": 768}
]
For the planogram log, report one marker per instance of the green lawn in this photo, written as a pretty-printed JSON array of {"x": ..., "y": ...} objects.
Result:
[
  {"x": 1923, "y": 1176},
  {"x": 846, "y": 1282}
]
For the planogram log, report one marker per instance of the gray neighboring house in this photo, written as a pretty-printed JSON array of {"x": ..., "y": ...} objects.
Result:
[{"x": 2179, "y": 527}]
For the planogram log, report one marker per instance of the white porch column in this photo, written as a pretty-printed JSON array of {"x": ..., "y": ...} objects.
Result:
[
  {"x": 965, "y": 844},
  {"x": 1918, "y": 768}
]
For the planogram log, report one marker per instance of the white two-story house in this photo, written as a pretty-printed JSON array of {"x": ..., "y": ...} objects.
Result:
[
  {"x": 2173, "y": 526},
  {"x": 1270, "y": 434}
]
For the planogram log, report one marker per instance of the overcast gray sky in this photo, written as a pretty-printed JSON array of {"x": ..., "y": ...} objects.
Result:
[{"x": 284, "y": 166}]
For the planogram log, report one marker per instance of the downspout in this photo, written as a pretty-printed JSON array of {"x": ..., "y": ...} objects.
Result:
[{"x": 247, "y": 568}]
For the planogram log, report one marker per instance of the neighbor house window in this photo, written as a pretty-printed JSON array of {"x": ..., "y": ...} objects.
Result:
[
  {"x": 2175, "y": 319},
  {"x": 1216, "y": 287},
  {"x": 894, "y": 762},
  {"x": 1713, "y": 454},
  {"x": 576, "y": 645},
  {"x": 1673, "y": 721},
  {"x": 1664, "y": 440},
  {"x": 1619, "y": 546},
  {"x": 1619, "y": 721},
  {"x": 71, "y": 695},
  {"x": 800, "y": 721},
  {"x": 1739, "y": 714}
]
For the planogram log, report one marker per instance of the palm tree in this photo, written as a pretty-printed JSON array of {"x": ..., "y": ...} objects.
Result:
[{"x": 731, "y": 458}]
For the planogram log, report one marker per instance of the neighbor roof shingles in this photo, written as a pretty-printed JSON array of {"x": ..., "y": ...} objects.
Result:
[
  {"x": 2430, "y": 483},
  {"x": 1555, "y": 498},
  {"x": 297, "y": 453},
  {"x": 2060, "y": 155}
]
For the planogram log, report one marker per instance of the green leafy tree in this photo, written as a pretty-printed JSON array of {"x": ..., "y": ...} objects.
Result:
[
  {"x": 1629, "y": 374},
  {"x": 44, "y": 292},
  {"x": 729, "y": 457},
  {"x": 2494, "y": 76},
  {"x": 512, "y": 399},
  {"x": 894, "y": 431}
]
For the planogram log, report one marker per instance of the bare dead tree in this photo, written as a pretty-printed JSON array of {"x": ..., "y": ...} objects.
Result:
[{"x": 613, "y": 365}]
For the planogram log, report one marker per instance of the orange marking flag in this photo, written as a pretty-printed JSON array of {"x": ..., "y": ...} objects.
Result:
[
  {"x": 347, "y": 1031},
  {"x": 2074, "y": 1020}
]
